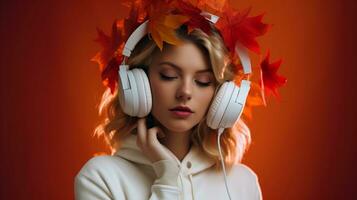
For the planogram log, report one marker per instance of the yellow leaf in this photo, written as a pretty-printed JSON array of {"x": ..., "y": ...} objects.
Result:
[{"x": 162, "y": 28}]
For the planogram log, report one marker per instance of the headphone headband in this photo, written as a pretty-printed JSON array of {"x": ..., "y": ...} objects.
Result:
[{"x": 142, "y": 30}]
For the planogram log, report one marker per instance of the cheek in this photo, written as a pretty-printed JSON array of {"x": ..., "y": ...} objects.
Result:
[
  {"x": 204, "y": 98},
  {"x": 160, "y": 92}
]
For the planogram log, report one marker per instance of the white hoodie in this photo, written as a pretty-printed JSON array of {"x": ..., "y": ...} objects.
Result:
[{"x": 128, "y": 174}]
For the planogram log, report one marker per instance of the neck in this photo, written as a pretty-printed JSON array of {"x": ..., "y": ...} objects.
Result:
[{"x": 177, "y": 142}]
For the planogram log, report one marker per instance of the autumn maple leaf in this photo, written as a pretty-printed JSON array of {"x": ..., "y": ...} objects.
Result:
[
  {"x": 212, "y": 6},
  {"x": 269, "y": 79},
  {"x": 105, "y": 57},
  {"x": 196, "y": 20},
  {"x": 256, "y": 94},
  {"x": 143, "y": 6},
  {"x": 162, "y": 25},
  {"x": 255, "y": 98},
  {"x": 238, "y": 26},
  {"x": 109, "y": 44},
  {"x": 111, "y": 56}
]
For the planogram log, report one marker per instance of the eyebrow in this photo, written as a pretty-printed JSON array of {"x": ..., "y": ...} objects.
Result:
[{"x": 179, "y": 69}]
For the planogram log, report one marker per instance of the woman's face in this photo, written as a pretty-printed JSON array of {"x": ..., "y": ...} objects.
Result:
[{"x": 181, "y": 76}]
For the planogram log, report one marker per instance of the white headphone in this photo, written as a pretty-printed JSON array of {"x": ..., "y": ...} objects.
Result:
[
  {"x": 135, "y": 94},
  {"x": 226, "y": 108}
]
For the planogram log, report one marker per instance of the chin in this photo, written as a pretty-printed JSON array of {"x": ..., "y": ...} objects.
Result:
[
  {"x": 179, "y": 126},
  {"x": 176, "y": 124}
]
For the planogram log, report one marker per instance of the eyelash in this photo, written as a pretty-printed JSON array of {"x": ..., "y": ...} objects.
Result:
[{"x": 167, "y": 78}]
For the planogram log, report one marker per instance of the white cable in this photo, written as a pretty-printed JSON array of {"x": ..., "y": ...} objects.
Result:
[{"x": 220, "y": 131}]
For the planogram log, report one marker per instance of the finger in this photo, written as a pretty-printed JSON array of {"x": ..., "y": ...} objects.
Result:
[
  {"x": 152, "y": 136},
  {"x": 163, "y": 152},
  {"x": 142, "y": 132}
]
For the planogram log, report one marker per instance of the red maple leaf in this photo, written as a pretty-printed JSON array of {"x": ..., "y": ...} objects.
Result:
[
  {"x": 111, "y": 56},
  {"x": 196, "y": 19},
  {"x": 212, "y": 6},
  {"x": 269, "y": 79},
  {"x": 145, "y": 7},
  {"x": 238, "y": 26}
]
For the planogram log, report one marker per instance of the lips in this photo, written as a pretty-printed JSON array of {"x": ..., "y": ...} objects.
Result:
[{"x": 181, "y": 109}]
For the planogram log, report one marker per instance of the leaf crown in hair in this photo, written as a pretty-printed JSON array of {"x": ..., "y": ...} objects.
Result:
[{"x": 165, "y": 16}]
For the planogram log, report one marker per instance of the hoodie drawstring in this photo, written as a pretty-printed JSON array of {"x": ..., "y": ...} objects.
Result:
[
  {"x": 180, "y": 176},
  {"x": 193, "y": 194},
  {"x": 182, "y": 186}
]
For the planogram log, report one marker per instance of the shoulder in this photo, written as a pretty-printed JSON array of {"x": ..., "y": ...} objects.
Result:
[
  {"x": 244, "y": 172},
  {"x": 97, "y": 163},
  {"x": 102, "y": 170},
  {"x": 101, "y": 165},
  {"x": 243, "y": 175},
  {"x": 98, "y": 177}
]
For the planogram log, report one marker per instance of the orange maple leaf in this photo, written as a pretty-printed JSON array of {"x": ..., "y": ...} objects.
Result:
[
  {"x": 162, "y": 27},
  {"x": 255, "y": 98}
]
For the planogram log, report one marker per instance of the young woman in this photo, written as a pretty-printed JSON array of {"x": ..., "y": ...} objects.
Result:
[{"x": 170, "y": 152}]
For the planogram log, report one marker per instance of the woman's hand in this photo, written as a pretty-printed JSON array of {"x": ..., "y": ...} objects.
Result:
[{"x": 149, "y": 144}]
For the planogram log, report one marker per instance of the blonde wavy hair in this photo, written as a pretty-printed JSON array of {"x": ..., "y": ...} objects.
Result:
[{"x": 117, "y": 125}]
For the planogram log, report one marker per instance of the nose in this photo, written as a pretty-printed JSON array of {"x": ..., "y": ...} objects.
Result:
[{"x": 184, "y": 91}]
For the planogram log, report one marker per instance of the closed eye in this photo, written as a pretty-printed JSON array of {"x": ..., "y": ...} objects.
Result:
[
  {"x": 203, "y": 84},
  {"x": 164, "y": 77},
  {"x": 199, "y": 83}
]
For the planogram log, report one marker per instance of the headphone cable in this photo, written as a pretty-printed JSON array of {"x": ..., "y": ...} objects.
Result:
[{"x": 220, "y": 131}]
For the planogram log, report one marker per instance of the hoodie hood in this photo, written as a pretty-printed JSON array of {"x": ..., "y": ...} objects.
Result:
[{"x": 198, "y": 159}]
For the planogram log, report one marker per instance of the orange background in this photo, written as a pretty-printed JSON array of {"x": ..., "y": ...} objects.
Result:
[{"x": 302, "y": 147}]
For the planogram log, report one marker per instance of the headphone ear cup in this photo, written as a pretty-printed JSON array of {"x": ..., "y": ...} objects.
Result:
[
  {"x": 233, "y": 109},
  {"x": 135, "y": 94},
  {"x": 125, "y": 91},
  {"x": 134, "y": 103},
  {"x": 217, "y": 107},
  {"x": 227, "y": 106},
  {"x": 143, "y": 92}
]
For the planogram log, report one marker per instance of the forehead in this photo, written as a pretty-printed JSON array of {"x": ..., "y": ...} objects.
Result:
[{"x": 185, "y": 57}]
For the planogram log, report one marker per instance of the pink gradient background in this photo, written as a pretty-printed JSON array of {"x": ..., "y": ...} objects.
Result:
[{"x": 303, "y": 147}]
